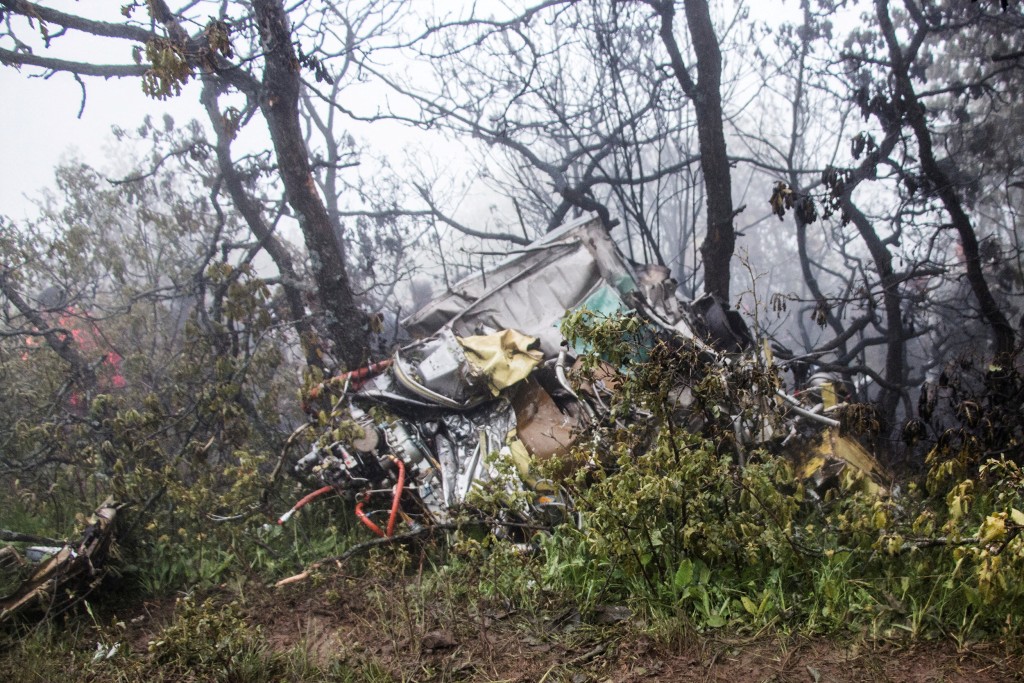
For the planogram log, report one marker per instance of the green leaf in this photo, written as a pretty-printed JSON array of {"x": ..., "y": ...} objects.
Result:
[
  {"x": 684, "y": 575},
  {"x": 715, "y": 621},
  {"x": 703, "y": 572},
  {"x": 749, "y": 605}
]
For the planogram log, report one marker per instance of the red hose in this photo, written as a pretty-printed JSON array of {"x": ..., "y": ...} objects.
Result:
[
  {"x": 319, "y": 492},
  {"x": 398, "y": 495},
  {"x": 355, "y": 377}
]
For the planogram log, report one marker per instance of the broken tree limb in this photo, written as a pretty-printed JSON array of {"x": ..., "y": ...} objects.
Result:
[
  {"x": 360, "y": 548},
  {"x": 289, "y": 442},
  {"x": 72, "y": 562},
  {"x": 18, "y": 537}
]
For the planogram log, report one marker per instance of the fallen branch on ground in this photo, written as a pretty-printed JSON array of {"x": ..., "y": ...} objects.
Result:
[
  {"x": 18, "y": 537},
  {"x": 377, "y": 542}
]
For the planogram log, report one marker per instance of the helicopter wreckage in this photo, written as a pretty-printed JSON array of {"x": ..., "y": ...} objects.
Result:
[{"x": 485, "y": 393}]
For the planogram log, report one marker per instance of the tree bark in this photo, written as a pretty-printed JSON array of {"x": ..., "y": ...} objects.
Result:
[
  {"x": 720, "y": 240},
  {"x": 279, "y": 102},
  {"x": 896, "y": 342},
  {"x": 910, "y": 105},
  {"x": 253, "y": 216}
]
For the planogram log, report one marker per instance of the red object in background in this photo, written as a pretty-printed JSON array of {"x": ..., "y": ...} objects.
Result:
[{"x": 90, "y": 343}]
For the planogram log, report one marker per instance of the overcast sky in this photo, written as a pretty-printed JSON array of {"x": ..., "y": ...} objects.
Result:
[{"x": 40, "y": 127}]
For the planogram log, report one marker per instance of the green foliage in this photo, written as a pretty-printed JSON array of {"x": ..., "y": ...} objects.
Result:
[
  {"x": 214, "y": 642},
  {"x": 658, "y": 523},
  {"x": 672, "y": 524},
  {"x": 186, "y": 430}
]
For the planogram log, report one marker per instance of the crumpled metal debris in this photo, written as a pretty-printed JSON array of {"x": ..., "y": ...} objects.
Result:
[
  {"x": 832, "y": 460},
  {"x": 484, "y": 395},
  {"x": 532, "y": 289}
]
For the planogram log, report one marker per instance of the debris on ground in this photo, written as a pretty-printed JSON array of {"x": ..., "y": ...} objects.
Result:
[
  {"x": 52, "y": 570},
  {"x": 490, "y": 390},
  {"x": 485, "y": 393}
]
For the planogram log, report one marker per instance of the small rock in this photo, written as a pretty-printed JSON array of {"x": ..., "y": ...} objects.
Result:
[
  {"x": 437, "y": 640},
  {"x": 611, "y": 614}
]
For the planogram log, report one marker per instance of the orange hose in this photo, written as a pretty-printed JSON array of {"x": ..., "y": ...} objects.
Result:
[
  {"x": 356, "y": 377},
  {"x": 319, "y": 492},
  {"x": 398, "y": 495},
  {"x": 395, "y": 504},
  {"x": 366, "y": 520},
  {"x": 359, "y": 376}
]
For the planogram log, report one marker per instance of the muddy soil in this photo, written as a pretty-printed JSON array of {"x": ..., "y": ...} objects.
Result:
[{"x": 340, "y": 618}]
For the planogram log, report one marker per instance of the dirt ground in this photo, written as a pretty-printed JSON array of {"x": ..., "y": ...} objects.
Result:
[{"x": 359, "y": 622}]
